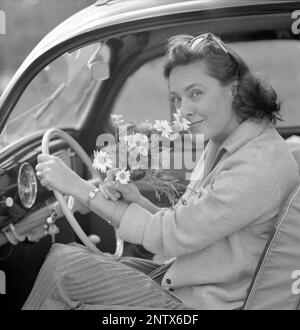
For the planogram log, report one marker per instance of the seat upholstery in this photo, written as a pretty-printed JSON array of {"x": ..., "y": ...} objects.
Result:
[
  {"x": 294, "y": 145},
  {"x": 276, "y": 284}
]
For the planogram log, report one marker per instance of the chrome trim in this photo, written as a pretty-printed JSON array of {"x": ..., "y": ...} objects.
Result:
[{"x": 33, "y": 183}]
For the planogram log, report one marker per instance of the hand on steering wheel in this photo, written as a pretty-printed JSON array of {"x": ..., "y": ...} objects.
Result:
[{"x": 60, "y": 184}]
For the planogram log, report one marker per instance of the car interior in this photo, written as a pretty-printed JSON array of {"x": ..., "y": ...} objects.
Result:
[{"x": 121, "y": 73}]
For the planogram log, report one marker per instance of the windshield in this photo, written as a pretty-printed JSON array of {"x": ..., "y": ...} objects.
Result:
[{"x": 56, "y": 97}]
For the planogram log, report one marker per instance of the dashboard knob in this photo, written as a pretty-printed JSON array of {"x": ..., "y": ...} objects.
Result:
[
  {"x": 95, "y": 239},
  {"x": 6, "y": 202}
]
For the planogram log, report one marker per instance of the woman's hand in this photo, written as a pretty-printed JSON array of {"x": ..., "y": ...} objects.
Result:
[
  {"x": 130, "y": 193},
  {"x": 114, "y": 190},
  {"x": 55, "y": 174}
]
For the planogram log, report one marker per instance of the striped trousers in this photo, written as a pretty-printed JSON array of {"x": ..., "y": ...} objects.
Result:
[{"x": 74, "y": 278}]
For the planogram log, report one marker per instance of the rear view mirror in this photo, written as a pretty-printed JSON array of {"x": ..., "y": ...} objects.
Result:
[{"x": 99, "y": 69}]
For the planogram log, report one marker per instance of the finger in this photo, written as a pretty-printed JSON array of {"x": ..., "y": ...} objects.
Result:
[
  {"x": 39, "y": 167},
  {"x": 109, "y": 188},
  {"x": 44, "y": 182},
  {"x": 116, "y": 193},
  {"x": 39, "y": 174},
  {"x": 112, "y": 197},
  {"x": 103, "y": 192},
  {"x": 110, "y": 174},
  {"x": 110, "y": 194},
  {"x": 113, "y": 171},
  {"x": 122, "y": 188},
  {"x": 43, "y": 157},
  {"x": 109, "y": 183}
]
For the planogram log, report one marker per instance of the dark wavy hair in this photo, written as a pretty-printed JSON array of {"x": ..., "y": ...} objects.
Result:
[{"x": 254, "y": 99}]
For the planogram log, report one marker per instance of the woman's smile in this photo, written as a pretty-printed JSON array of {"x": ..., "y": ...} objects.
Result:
[{"x": 196, "y": 122}]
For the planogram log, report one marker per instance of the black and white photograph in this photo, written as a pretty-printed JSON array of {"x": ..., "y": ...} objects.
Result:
[{"x": 149, "y": 158}]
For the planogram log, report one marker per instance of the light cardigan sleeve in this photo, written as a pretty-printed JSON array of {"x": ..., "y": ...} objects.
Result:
[{"x": 244, "y": 191}]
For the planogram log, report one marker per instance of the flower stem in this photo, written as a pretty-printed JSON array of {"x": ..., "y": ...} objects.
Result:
[{"x": 186, "y": 187}]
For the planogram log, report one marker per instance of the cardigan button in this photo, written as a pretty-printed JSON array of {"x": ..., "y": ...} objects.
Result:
[
  {"x": 184, "y": 202},
  {"x": 171, "y": 289},
  {"x": 168, "y": 281}
]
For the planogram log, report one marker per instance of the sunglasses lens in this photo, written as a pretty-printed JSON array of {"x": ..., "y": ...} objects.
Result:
[{"x": 194, "y": 43}]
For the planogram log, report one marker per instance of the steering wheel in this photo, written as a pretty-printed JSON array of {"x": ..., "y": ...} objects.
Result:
[{"x": 73, "y": 144}]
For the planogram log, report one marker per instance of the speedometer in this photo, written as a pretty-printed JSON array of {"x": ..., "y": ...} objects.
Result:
[{"x": 27, "y": 185}]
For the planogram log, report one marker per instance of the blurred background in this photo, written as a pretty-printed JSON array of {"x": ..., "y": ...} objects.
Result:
[{"x": 27, "y": 22}]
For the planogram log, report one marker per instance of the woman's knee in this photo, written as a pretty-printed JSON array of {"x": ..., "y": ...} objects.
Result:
[{"x": 60, "y": 257}]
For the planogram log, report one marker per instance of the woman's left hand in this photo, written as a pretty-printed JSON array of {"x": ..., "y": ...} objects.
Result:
[{"x": 55, "y": 174}]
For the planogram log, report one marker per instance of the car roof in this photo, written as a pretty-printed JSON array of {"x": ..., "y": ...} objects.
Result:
[
  {"x": 110, "y": 12},
  {"x": 105, "y": 13}
]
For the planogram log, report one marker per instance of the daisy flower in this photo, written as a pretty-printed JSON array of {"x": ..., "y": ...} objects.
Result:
[
  {"x": 180, "y": 121},
  {"x": 117, "y": 119},
  {"x": 123, "y": 176},
  {"x": 137, "y": 160},
  {"x": 164, "y": 127},
  {"x": 138, "y": 142},
  {"x": 146, "y": 125},
  {"x": 101, "y": 161}
]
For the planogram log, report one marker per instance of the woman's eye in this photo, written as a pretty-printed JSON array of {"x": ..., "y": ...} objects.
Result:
[{"x": 196, "y": 94}]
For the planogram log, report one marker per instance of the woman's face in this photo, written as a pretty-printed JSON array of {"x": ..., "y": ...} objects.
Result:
[{"x": 203, "y": 101}]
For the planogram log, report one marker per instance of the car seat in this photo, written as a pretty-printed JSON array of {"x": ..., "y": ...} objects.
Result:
[{"x": 276, "y": 283}]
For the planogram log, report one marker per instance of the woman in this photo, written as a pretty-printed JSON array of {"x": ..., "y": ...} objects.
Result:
[{"x": 219, "y": 228}]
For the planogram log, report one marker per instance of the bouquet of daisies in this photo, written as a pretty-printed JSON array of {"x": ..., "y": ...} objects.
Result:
[{"x": 141, "y": 152}]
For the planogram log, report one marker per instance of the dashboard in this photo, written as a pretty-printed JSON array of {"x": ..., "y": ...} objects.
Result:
[
  {"x": 21, "y": 195},
  {"x": 27, "y": 206}
]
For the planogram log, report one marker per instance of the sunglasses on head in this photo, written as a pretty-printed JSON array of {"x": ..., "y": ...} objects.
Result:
[{"x": 198, "y": 41}]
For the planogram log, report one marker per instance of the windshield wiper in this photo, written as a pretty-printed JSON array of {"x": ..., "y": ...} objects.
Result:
[{"x": 44, "y": 105}]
